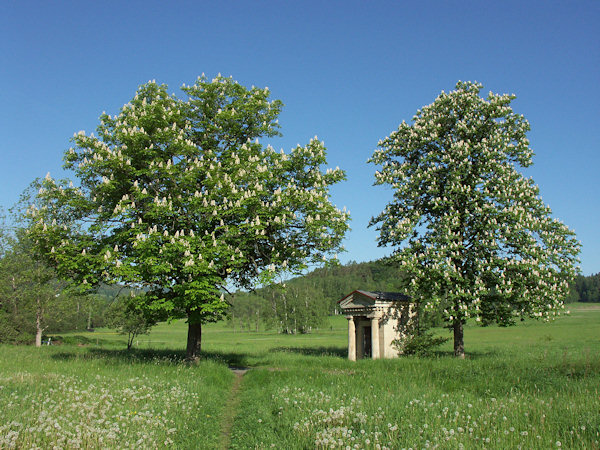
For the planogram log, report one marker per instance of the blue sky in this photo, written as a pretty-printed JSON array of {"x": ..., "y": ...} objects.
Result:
[{"x": 347, "y": 71}]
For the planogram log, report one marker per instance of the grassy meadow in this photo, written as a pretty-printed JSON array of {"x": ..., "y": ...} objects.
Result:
[{"x": 535, "y": 385}]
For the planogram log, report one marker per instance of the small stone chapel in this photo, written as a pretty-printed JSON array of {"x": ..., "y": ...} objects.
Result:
[{"x": 375, "y": 320}]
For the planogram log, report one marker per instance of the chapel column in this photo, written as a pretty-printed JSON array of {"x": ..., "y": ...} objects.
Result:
[
  {"x": 351, "y": 339},
  {"x": 360, "y": 339},
  {"x": 375, "y": 336}
]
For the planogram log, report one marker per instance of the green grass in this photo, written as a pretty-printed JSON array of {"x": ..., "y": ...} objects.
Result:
[
  {"x": 70, "y": 397},
  {"x": 535, "y": 385}
]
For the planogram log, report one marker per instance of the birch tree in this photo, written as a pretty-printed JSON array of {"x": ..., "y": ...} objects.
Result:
[
  {"x": 181, "y": 198},
  {"x": 31, "y": 297},
  {"x": 471, "y": 232}
]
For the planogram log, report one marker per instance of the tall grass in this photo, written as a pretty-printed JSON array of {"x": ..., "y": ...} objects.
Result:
[
  {"x": 487, "y": 401},
  {"x": 74, "y": 397},
  {"x": 535, "y": 385}
]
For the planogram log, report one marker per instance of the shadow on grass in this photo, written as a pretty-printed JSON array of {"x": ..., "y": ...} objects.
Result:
[
  {"x": 449, "y": 354},
  {"x": 154, "y": 356},
  {"x": 339, "y": 352},
  {"x": 342, "y": 352},
  {"x": 79, "y": 340}
]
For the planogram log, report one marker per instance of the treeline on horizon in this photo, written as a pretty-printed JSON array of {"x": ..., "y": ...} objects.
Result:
[
  {"x": 303, "y": 303},
  {"x": 585, "y": 289},
  {"x": 307, "y": 300},
  {"x": 298, "y": 306}
]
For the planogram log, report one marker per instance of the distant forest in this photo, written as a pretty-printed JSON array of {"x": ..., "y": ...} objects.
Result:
[
  {"x": 585, "y": 289},
  {"x": 307, "y": 300}
]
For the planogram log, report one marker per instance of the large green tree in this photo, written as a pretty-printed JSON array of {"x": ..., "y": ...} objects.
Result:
[
  {"x": 470, "y": 230},
  {"x": 32, "y": 299},
  {"x": 179, "y": 197}
]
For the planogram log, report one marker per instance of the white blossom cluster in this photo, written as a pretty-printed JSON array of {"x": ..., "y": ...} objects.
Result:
[
  {"x": 471, "y": 232},
  {"x": 182, "y": 194}
]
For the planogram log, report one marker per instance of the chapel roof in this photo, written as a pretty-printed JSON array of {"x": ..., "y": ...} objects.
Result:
[{"x": 378, "y": 295}]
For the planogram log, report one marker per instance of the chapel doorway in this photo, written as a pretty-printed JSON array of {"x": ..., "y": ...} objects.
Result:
[{"x": 367, "y": 342}]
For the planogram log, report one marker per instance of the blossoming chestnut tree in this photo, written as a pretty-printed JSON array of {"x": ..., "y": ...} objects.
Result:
[
  {"x": 470, "y": 231},
  {"x": 179, "y": 197}
]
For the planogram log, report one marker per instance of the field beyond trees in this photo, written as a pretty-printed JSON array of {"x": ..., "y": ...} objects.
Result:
[{"x": 535, "y": 385}]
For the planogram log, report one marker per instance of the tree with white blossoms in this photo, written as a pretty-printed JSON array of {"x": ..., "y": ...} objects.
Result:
[
  {"x": 470, "y": 231},
  {"x": 180, "y": 198}
]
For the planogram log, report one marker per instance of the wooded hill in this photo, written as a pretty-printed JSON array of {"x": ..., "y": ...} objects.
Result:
[
  {"x": 585, "y": 289},
  {"x": 308, "y": 299}
]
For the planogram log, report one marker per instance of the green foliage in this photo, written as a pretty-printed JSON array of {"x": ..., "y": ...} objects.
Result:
[
  {"x": 334, "y": 282},
  {"x": 297, "y": 309},
  {"x": 420, "y": 344},
  {"x": 248, "y": 311},
  {"x": 419, "y": 339},
  {"x": 472, "y": 234},
  {"x": 302, "y": 303},
  {"x": 289, "y": 309},
  {"x": 5, "y": 235},
  {"x": 128, "y": 318},
  {"x": 256, "y": 310},
  {"x": 16, "y": 328},
  {"x": 32, "y": 299},
  {"x": 178, "y": 196},
  {"x": 585, "y": 289}
]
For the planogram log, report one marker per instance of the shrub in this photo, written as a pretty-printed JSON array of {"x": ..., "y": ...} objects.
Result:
[{"x": 421, "y": 345}]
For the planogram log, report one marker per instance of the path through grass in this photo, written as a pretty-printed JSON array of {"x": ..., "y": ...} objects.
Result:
[
  {"x": 231, "y": 409},
  {"x": 531, "y": 386}
]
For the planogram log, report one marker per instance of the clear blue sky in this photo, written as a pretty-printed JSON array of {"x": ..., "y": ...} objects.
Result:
[{"x": 347, "y": 71}]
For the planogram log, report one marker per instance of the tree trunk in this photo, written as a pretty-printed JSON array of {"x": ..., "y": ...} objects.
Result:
[
  {"x": 77, "y": 321},
  {"x": 194, "y": 340},
  {"x": 14, "y": 287},
  {"x": 459, "y": 342},
  {"x": 285, "y": 317},
  {"x": 130, "y": 338},
  {"x": 38, "y": 326},
  {"x": 418, "y": 318}
]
